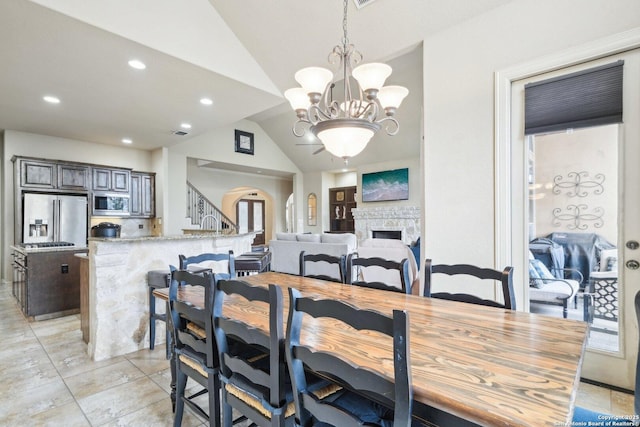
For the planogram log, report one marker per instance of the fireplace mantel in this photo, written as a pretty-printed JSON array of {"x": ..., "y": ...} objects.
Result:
[{"x": 401, "y": 218}]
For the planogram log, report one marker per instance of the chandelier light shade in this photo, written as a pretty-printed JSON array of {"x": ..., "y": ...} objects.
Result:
[
  {"x": 314, "y": 80},
  {"x": 371, "y": 76},
  {"x": 298, "y": 98},
  {"x": 346, "y": 124}
]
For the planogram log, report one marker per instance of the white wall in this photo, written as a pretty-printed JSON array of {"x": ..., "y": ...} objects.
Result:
[
  {"x": 314, "y": 183},
  {"x": 459, "y": 66},
  {"x": 219, "y": 146},
  {"x": 215, "y": 183}
]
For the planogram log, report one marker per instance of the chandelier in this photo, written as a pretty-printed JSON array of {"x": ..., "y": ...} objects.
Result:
[{"x": 345, "y": 126}]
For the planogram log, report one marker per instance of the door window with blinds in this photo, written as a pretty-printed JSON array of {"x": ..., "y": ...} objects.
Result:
[{"x": 572, "y": 136}]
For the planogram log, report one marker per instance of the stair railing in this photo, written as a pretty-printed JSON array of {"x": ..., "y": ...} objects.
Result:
[{"x": 205, "y": 214}]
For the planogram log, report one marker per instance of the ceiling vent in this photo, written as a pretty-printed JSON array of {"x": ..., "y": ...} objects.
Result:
[
  {"x": 180, "y": 132},
  {"x": 362, "y": 3}
]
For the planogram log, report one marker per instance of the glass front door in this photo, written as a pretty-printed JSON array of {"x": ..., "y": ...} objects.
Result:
[{"x": 580, "y": 191}]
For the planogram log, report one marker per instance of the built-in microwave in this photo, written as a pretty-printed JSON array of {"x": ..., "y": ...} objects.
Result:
[{"x": 110, "y": 204}]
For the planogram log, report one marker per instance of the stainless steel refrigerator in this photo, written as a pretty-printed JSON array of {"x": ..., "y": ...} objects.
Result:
[{"x": 55, "y": 218}]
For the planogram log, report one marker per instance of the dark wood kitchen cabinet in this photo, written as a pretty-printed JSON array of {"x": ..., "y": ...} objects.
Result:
[
  {"x": 143, "y": 197},
  {"x": 110, "y": 179},
  {"x": 73, "y": 177},
  {"x": 38, "y": 174},
  {"x": 48, "y": 283}
]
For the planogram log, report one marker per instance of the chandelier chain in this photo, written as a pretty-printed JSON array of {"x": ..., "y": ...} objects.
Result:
[{"x": 345, "y": 39}]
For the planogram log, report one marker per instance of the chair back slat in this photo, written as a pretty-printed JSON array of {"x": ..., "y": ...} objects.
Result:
[
  {"x": 504, "y": 277},
  {"x": 339, "y": 263},
  {"x": 206, "y": 258},
  {"x": 356, "y": 265}
]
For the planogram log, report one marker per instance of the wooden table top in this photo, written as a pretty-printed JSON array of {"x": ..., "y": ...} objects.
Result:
[{"x": 485, "y": 365}]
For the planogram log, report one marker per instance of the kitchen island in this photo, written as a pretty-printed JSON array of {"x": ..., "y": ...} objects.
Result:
[
  {"x": 118, "y": 292},
  {"x": 46, "y": 280}
]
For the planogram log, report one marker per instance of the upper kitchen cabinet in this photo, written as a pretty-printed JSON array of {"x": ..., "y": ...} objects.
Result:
[
  {"x": 52, "y": 175},
  {"x": 143, "y": 198},
  {"x": 110, "y": 179},
  {"x": 73, "y": 177}
]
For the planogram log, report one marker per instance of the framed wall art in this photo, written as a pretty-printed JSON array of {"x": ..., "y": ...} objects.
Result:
[
  {"x": 385, "y": 185},
  {"x": 244, "y": 142}
]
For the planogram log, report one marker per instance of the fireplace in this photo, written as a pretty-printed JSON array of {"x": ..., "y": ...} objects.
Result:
[
  {"x": 400, "y": 222},
  {"x": 386, "y": 234}
]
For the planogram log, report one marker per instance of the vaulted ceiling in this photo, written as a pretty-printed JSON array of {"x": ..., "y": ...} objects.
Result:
[{"x": 241, "y": 54}]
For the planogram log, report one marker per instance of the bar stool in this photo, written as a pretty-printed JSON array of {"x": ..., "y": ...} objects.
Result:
[{"x": 157, "y": 279}]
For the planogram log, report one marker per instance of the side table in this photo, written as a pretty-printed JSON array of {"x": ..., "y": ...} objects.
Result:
[{"x": 252, "y": 262}]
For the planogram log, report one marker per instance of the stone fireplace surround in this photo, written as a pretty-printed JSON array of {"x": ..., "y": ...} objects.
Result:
[{"x": 405, "y": 219}]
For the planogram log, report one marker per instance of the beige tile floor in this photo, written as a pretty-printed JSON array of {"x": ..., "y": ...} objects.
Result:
[{"x": 49, "y": 380}]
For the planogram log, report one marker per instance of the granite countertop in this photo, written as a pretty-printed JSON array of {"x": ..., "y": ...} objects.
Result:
[
  {"x": 204, "y": 235},
  {"x": 49, "y": 249}
]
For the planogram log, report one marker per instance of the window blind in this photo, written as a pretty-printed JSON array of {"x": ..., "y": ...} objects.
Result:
[{"x": 585, "y": 98}]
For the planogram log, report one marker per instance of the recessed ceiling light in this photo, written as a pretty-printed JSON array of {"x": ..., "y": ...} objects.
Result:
[
  {"x": 185, "y": 126},
  {"x": 206, "y": 101},
  {"x": 126, "y": 140},
  {"x": 51, "y": 99},
  {"x": 137, "y": 64}
]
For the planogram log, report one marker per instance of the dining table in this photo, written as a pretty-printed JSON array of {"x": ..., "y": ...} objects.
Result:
[{"x": 471, "y": 365}]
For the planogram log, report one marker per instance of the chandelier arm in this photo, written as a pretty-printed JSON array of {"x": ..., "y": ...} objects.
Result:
[
  {"x": 369, "y": 111},
  {"x": 390, "y": 124},
  {"x": 331, "y": 107},
  {"x": 298, "y": 124},
  {"x": 317, "y": 114}
]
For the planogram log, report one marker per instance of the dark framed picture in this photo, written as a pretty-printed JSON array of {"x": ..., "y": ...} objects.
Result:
[{"x": 244, "y": 142}]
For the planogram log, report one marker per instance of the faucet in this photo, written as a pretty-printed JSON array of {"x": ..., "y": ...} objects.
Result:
[{"x": 202, "y": 221}]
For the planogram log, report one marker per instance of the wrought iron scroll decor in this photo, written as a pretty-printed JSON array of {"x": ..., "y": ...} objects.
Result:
[
  {"x": 578, "y": 184},
  {"x": 576, "y": 217}
]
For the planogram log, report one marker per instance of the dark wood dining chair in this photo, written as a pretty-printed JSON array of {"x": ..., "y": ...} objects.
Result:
[
  {"x": 322, "y": 266},
  {"x": 203, "y": 262},
  {"x": 390, "y": 275},
  {"x": 253, "y": 385},
  {"x": 488, "y": 275},
  {"x": 255, "y": 381},
  {"x": 193, "y": 343},
  {"x": 378, "y": 398}
]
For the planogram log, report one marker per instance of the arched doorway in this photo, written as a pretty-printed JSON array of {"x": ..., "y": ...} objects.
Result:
[{"x": 252, "y": 210}]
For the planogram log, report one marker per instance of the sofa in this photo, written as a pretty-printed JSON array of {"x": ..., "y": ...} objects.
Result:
[{"x": 286, "y": 247}]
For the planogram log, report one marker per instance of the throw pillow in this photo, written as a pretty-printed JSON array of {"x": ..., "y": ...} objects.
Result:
[
  {"x": 611, "y": 264},
  {"x": 314, "y": 238},
  {"x": 286, "y": 236},
  {"x": 336, "y": 238},
  {"x": 537, "y": 271}
]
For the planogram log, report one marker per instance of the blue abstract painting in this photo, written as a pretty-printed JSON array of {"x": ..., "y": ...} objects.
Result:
[{"x": 386, "y": 185}]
